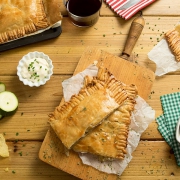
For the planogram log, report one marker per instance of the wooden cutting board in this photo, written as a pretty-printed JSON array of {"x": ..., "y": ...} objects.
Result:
[{"x": 52, "y": 150}]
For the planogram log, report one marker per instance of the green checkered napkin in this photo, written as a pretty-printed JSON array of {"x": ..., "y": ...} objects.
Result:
[
  {"x": 163, "y": 129},
  {"x": 168, "y": 121}
]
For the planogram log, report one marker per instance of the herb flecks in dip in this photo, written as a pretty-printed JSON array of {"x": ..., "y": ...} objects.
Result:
[{"x": 35, "y": 69}]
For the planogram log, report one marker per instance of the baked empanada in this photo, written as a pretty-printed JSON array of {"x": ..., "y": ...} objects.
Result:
[
  {"x": 173, "y": 39},
  {"x": 19, "y": 18},
  {"x": 109, "y": 139},
  {"x": 95, "y": 102}
]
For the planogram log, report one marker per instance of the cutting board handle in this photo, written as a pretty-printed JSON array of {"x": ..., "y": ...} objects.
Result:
[{"x": 134, "y": 33}]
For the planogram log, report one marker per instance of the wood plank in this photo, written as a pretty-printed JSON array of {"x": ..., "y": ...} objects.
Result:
[
  {"x": 24, "y": 163},
  {"x": 35, "y": 126},
  {"x": 65, "y": 52},
  {"x": 24, "y": 118},
  {"x": 151, "y": 159}
]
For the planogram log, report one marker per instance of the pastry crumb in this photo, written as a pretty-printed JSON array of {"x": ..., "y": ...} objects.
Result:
[{"x": 6, "y": 169}]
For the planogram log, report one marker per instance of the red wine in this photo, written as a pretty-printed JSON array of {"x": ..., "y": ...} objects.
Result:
[{"x": 83, "y": 7}]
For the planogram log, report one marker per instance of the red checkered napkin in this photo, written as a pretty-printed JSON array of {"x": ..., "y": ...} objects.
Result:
[{"x": 129, "y": 12}]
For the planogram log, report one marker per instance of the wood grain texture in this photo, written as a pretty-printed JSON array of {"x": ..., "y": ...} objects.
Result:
[
  {"x": 66, "y": 51},
  {"x": 125, "y": 71},
  {"x": 153, "y": 158},
  {"x": 144, "y": 164},
  {"x": 122, "y": 69}
]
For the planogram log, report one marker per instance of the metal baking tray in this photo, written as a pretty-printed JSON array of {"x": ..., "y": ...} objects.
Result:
[{"x": 48, "y": 34}]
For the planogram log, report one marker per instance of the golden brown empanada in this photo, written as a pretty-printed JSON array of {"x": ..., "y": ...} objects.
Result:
[
  {"x": 173, "y": 39},
  {"x": 22, "y": 17},
  {"x": 109, "y": 139},
  {"x": 95, "y": 102}
]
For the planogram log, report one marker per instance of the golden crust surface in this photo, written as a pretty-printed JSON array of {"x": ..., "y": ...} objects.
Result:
[
  {"x": 52, "y": 10},
  {"x": 21, "y": 17},
  {"x": 109, "y": 139},
  {"x": 173, "y": 39},
  {"x": 99, "y": 97}
]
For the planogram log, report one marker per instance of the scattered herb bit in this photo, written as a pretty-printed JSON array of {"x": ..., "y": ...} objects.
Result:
[
  {"x": 13, "y": 171},
  {"x": 16, "y": 140},
  {"x": 17, "y": 134},
  {"x": 84, "y": 109},
  {"x": 20, "y": 153},
  {"x": 152, "y": 92},
  {"x": 36, "y": 61}
]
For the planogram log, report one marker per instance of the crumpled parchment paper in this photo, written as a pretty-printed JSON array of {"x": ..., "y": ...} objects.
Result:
[
  {"x": 75, "y": 83},
  {"x": 164, "y": 59},
  {"x": 142, "y": 116},
  {"x": 162, "y": 55}
]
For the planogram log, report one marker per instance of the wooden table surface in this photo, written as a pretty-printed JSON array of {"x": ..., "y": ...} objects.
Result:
[{"x": 25, "y": 131}]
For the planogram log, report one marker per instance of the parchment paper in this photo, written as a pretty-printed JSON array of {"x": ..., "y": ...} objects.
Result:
[
  {"x": 164, "y": 59},
  {"x": 142, "y": 116},
  {"x": 162, "y": 55}
]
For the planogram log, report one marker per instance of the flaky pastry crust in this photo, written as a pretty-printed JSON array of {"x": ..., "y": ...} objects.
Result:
[
  {"x": 99, "y": 97},
  {"x": 109, "y": 139},
  {"x": 173, "y": 39},
  {"x": 19, "y": 18}
]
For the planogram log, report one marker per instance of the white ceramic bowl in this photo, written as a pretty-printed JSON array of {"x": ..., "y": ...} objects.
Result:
[{"x": 29, "y": 56}]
